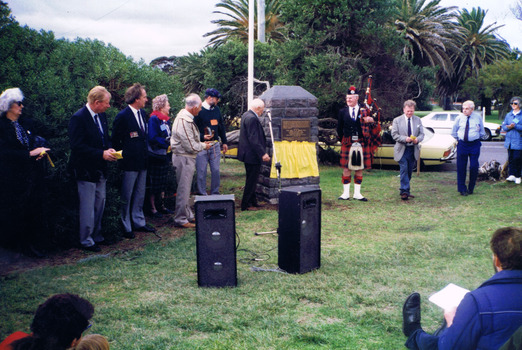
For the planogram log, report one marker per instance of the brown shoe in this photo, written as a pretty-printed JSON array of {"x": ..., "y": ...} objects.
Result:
[
  {"x": 187, "y": 225},
  {"x": 410, "y": 196},
  {"x": 404, "y": 196}
]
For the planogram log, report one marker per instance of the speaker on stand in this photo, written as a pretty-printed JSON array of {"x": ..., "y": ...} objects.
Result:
[
  {"x": 299, "y": 248},
  {"x": 216, "y": 241}
]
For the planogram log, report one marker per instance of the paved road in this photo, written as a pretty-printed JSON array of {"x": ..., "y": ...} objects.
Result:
[{"x": 492, "y": 150}]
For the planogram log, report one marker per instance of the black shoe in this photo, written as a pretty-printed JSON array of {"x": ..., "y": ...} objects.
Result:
[
  {"x": 362, "y": 199},
  {"x": 129, "y": 235},
  {"x": 464, "y": 194},
  {"x": 411, "y": 314},
  {"x": 93, "y": 248},
  {"x": 146, "y": 228},
  {"x": 470, "y": 191},
  {"x": 404, "y": 196}
]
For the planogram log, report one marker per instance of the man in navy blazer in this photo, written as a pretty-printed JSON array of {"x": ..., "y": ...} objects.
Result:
[
  {"x": 252, "y": 151},
  {"x": 90, "y": 152},
  {"x": 129, "y": 134},
  {"x": 407, "y": 131}
]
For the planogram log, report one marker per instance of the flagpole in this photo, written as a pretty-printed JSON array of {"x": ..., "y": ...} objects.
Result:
[{"x": 250, "y": 52}]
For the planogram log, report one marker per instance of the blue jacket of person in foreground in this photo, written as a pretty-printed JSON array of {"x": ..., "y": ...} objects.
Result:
[{"x": 485, "y": 318}]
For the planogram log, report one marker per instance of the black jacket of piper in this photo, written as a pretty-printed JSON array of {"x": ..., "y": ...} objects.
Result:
[{"x": 346, "y": 126}]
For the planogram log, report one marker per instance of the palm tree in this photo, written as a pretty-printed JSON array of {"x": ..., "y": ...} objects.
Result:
[
  {"x": 236, "y": 24},
  {"x": 430, "y": 32},
  {"x": 477, "y": 47}
]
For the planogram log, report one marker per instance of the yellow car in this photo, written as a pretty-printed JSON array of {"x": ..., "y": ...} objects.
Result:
[{"x": 436, "y": 149}]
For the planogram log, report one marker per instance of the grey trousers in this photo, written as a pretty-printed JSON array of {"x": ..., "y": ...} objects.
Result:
[
  {"x": 132, "y": 197},
  {"x": 184, "y": 167},
  {"x": 211, "y": 156},
  {"x": 92, "y": 205}
]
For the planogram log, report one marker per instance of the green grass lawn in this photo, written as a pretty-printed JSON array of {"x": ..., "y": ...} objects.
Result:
[{"x": 373, "y": 255}]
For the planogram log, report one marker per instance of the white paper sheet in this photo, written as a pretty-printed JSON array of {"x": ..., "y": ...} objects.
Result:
[{"x": 449, "y": 296}]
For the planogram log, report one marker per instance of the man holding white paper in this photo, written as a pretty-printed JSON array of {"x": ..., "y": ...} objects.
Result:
[{"x": 487, "y": 316}]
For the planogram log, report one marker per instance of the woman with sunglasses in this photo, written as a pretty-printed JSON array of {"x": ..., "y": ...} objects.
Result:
[
  {"x": 512, "y": 125},
  {"x": 20, "y": 178}
]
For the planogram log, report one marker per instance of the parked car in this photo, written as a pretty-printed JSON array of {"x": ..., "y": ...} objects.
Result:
[
  {"x": 442, "y": 123},
  {"x": 436, "y": 149}
]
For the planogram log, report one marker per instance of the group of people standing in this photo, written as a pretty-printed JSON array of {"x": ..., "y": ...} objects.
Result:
[
  {"x": 358, "y": 131},
  {"x": 142, "y": 146}
]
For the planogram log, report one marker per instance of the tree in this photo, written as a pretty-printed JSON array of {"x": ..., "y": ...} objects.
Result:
[
  {"x": 236, "y": 24},
  {"x": 429, "y": 31},
  {"x": 477, "y": 47}
]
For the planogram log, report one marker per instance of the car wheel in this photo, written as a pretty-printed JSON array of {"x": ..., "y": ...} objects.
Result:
[{"x": 486, "y": 137}]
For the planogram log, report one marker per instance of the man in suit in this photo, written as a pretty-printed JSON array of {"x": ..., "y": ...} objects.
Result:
[
  {"x": 355, "y": 127},
  {"x": 129, "y": 134},
  {"x": 185, "y": 144},
  {"x": 468, "y": 130},
  {"x": 90, "y": 152},
  {"x": 407, "y": 131},
  {"x": 252, "y": 151},
  {"x": 211, "y": 126}
]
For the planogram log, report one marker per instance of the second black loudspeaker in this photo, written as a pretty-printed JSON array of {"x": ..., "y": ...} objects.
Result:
[
  {"x": 216, "y": 241},
  {"x": 299, "y": 248}
]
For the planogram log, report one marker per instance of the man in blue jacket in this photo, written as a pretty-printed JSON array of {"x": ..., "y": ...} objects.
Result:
[{"x": 487, "y": 316}]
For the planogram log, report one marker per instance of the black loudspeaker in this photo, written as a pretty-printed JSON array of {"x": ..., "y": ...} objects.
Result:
[
  {"x": 299, "y": 247},
  {"x": 216, "y": 241}
]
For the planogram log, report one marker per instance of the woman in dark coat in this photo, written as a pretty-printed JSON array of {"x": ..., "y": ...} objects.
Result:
[{"x": 19, "y": 176}]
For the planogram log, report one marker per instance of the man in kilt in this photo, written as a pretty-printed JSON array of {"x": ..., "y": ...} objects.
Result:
[{"x": 359, "y": 135}]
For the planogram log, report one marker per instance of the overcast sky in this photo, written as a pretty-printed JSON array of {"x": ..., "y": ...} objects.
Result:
[{"x": 152, "y": 28}]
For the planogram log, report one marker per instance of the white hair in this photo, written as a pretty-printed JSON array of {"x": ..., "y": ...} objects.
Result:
[{"x": 8, "y": 97}]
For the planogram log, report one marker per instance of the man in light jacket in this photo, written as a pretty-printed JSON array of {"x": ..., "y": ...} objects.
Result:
[
  {"x": 185, "y": 146},
  {"x": 407, "y": 132}
]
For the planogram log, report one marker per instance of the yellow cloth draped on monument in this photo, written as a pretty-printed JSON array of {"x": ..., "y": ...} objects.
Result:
[{"x": 298, "y": 159}]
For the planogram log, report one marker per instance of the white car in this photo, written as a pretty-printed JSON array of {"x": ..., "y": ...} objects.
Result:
[{"x": 442, "y": 123}]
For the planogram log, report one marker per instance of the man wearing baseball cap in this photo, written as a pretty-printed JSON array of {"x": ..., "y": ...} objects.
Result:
[{"x": 211, "y": 128}]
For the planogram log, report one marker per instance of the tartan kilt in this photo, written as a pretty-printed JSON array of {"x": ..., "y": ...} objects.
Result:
[
  {"x": 346, "y": 145},
  {"x": 158, "y": 174}
]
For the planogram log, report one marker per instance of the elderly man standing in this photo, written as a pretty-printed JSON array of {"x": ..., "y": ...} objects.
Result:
[
  {"x": 356, "y": 130},
  {"x": 185, "y": 146},
  {"x": 468, "y": 130},
  {"x": 252, "y": 151},
  {"x": 90, "y": 151},
  {"x": 407, "y": 132},
  {"x": 129, "y": 134},
  {"x": 210, "y": 125}
]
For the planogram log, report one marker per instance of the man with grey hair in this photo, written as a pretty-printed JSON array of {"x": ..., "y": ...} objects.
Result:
[
  {"x": 252, "y": 151},
  {"x": 185, "y": 144},
  {"x": 407, "y": 132},
  {"x": 468, "y": 130}
]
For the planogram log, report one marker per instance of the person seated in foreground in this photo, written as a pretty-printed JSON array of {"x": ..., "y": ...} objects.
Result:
[
  {"x": 58, "y": 324},
  {"x": 487, "y": 316}
]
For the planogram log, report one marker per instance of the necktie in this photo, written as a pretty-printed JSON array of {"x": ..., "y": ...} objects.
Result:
[
  {"x": 466, "y": 131},
  {"x": 20, "y": 134},
  {"x": 100, "y": 128},
  {"x": 140, "y": 122},
  {"x": 409, "y": 127},
  {"x": 353, "y": 113}
]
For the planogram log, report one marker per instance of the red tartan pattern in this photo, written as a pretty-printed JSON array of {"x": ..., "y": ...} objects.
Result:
[{"x": 370, "y": 141}]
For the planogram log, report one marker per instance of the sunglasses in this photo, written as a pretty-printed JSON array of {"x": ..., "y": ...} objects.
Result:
[
  {"x": 514, "y": 103},
  {"x": 19, "y": 103}
]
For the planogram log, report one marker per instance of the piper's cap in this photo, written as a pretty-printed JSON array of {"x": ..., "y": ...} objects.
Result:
[
  {"x": 212, "y": 93},
  {"x": 352, "y": 91}
]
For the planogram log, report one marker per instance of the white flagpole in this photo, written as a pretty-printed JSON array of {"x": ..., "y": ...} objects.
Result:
[{"x": 250, "y": 52}]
